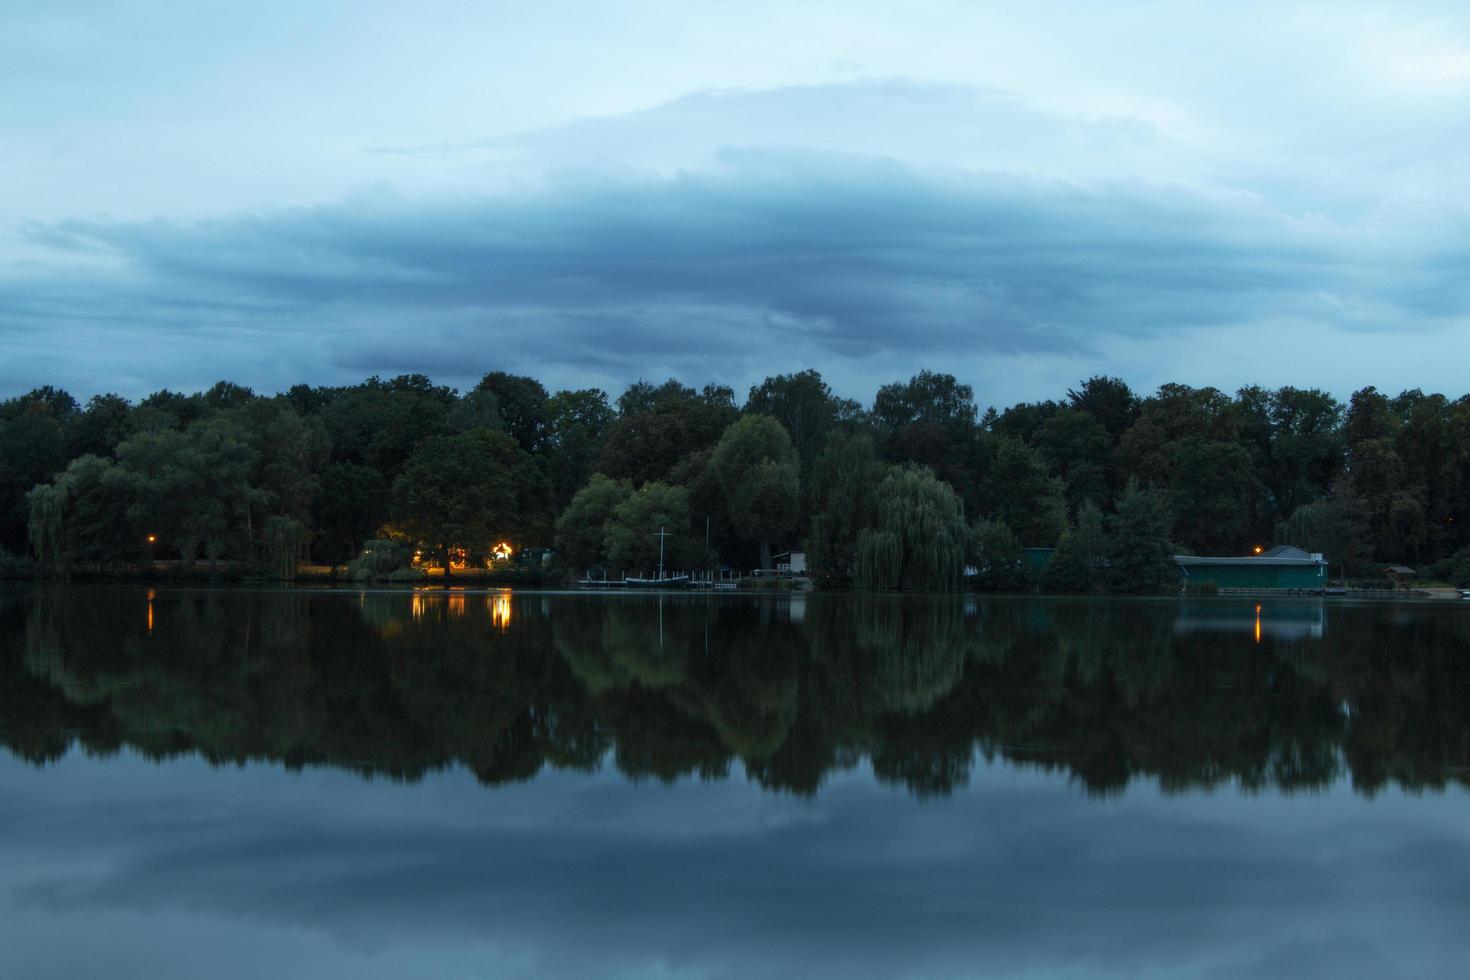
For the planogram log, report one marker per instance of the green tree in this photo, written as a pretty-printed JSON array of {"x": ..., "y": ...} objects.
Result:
[
  {"x": 521, "y": 402},
  {"x": 1215, "y": 494},
  {"x": 1079, "y": 562},
  {"x": 845, "y": 480},
  {"x": 83, "y": 516},
  {"x": 1332, "y": 527},
  {"x": 1000, "y": 561},
  {"x": 287, "y": 544},
  {"x": 477, "y": 409},
  {"x": 380, "y": 424},
  {"x": 32, "y": 451},
  {"x": 929, "y": 421},
  {"x": 577, "y": 424},
  {"x": 380, "y": 558},
  {"x": 657, "y": 427},
  {"x": 1139, "y": 542},
  {"x": 581, "y": 531},
  {"x": 469, "y": 490},
  {"x": 757, "y": 466},
  {"x": 632, "y": 532},
  {"x": 805, "y": 405},
  {"x": 1078, "y": 449},
  {"x": 1109, "y": 400},
  {"x": 192, "y": 488},
  {"x": 352, "y": 505},
  {"x": 919, "y": 538},
  {"x": 1297, "y": 436},
  {"x": 1024, "y": 495},
  {"x": 106, "y": 421}
]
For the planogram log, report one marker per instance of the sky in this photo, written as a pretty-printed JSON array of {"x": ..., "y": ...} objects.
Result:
[{"x": 1021, "y": 194}]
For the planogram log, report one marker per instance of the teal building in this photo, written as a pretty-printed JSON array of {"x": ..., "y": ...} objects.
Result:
[
  {"x": 1038, "y": 558},
  {"x": 1283, "y": 567}
]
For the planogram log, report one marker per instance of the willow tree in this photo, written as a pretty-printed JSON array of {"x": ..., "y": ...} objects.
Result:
[
  {"x": 918, "y": 540},
  {"x": 286, "y": 545},
  {"x": 82, "y": 516},
  {"x": 757, "y": 467}
]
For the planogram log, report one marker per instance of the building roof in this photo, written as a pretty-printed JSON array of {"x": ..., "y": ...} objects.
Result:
[
  {"x": 1400, "y": 570},
  {"x": 1286, "y": 551},
  {"x": 1252, "y": 561}
]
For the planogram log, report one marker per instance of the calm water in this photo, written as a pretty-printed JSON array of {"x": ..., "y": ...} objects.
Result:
[{"x": 383, "y": 784}]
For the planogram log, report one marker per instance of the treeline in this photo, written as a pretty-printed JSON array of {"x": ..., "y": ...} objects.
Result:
[{"x": 903, "y": 493}]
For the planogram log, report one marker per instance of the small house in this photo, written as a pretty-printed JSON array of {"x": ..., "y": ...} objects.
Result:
[
  {"x": 790, "y": 563},
  {"x": 1399, "y": 575},
  {"x": 1283, "y": 567}
]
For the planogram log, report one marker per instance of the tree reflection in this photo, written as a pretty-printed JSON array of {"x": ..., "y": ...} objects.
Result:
[{"x": 400, "y": 684}]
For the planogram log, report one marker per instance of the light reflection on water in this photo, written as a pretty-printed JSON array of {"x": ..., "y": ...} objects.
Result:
[{"x": 601, "y": 785}]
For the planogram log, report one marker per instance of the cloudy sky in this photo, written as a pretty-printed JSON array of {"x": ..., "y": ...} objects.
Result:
[{"x": 1024, "y": 194}]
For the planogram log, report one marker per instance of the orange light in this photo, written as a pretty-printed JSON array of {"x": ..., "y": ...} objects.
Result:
[
  {"x": 1258, "y": 549},
  {"x": 500, "y": 611},
  {"x": 502, "y": 551},
  {"x": 152, "y": 538},
  {"x": 1258, "y": 622}
]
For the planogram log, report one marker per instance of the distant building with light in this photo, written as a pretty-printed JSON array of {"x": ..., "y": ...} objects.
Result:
[{"x": 1283, "y": 567}]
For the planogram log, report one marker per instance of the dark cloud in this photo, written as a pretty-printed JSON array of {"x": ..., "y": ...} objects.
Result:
[{"x": 769, "y": 257}]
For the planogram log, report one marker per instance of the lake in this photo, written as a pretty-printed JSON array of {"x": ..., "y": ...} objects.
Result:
[{"x": 333, "y": 783}]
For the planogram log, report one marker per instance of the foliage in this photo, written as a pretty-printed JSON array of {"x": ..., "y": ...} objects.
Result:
[
  {"x": 805, "y": 406},
  {"x": 1109, "y": 400},
  {"x": 286, "y": 545},
  {"x": 1140, "y": 551},
  {"x": 919, "y": 535},
  {"x": 659, "y": 426},
  {"x": 349, "y": 509},
  {"x": 16, "y": 566},
  {"x": 843, "y": 502},
  {"x": 469, "y": 490},
  {"x": 1000, "y": 561},
  {"x": 1024, "y": 496},
  {"x": 1079, "y": 563},
  {"x": 632, "y": 532},
  {"x": 521, "y": 407},
  {"x": 581, "y": 531},
  {"x": 577, "y": 423},
  {"x": 1333, "y": 527},
  {"x": 381, "y": 558},
  {"x": 1383, "y": 479},
  {"x": 758, "y": 470},
  {"x": 82, "y": 516}
]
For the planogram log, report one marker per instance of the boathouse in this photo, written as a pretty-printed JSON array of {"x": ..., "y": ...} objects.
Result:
[{"x": 1283, "y": 567}]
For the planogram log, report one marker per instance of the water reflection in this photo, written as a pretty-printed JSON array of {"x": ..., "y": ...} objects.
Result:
[{"x": 1291, "y": 695}]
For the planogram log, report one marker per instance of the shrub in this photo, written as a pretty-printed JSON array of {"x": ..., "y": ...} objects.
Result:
[{"x": 382, "y": 558}]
